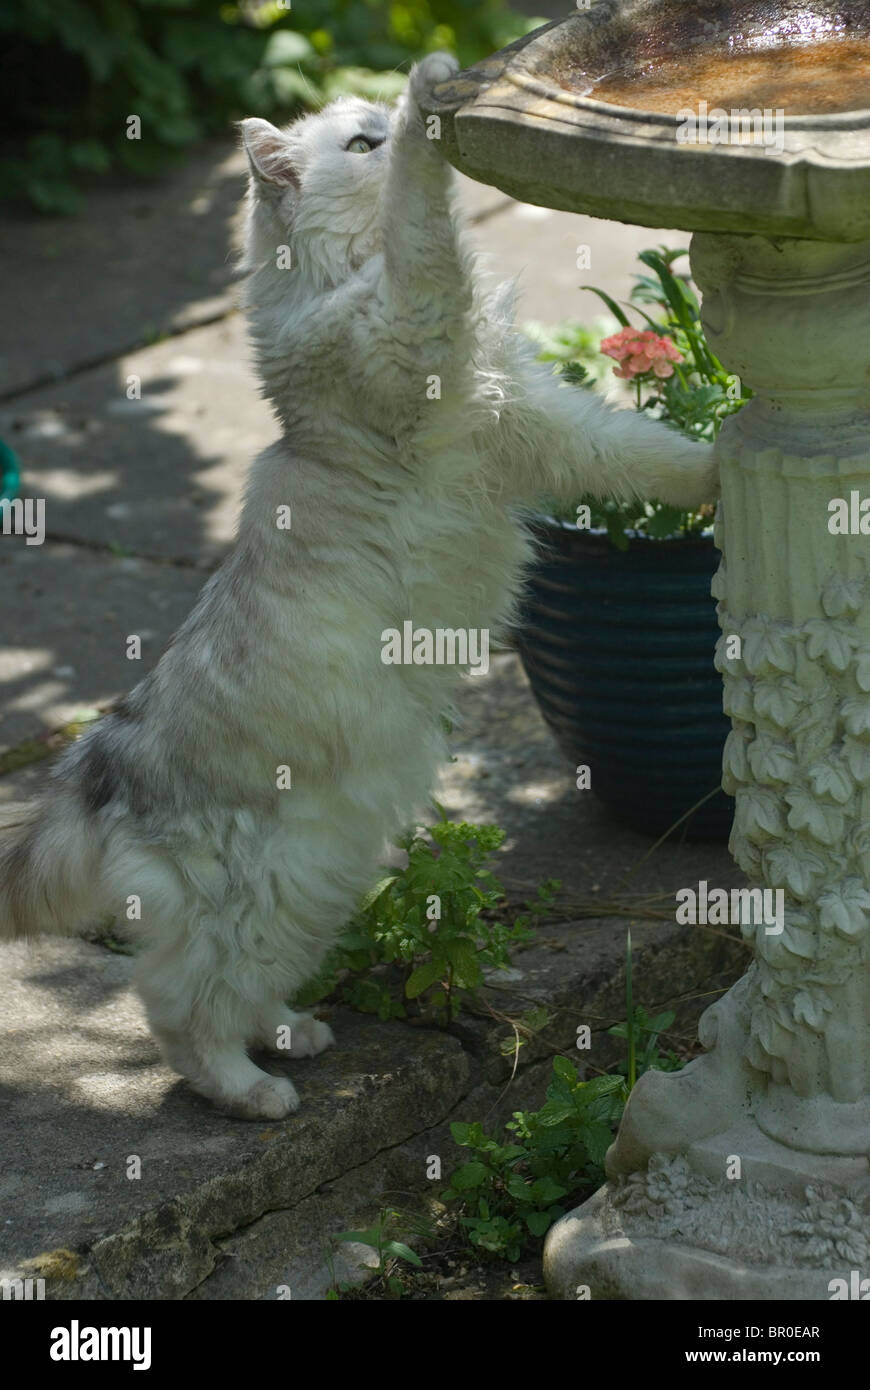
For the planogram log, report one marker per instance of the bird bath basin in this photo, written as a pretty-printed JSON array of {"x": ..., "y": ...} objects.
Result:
[
  {"x": 585, "y": 114},
  {"x": 747, "y": 123},
  {"x": 807, "y": 63}
]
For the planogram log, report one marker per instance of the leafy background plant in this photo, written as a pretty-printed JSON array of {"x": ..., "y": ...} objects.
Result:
[
  {"x": 694, "y": 400},
  {"x": 438, "y": 961},
  {"x": 74, "y": 70},
  {"x": 509, "y": 1194}
]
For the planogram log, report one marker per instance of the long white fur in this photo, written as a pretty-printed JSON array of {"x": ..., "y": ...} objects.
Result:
[{"x": 403, "y": 507}]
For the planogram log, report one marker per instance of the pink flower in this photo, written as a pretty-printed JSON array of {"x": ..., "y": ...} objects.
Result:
[{"x": 639, "y": 351}]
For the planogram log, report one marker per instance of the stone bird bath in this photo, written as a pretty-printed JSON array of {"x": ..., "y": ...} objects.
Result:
[{"x": 746, "y": 1175}]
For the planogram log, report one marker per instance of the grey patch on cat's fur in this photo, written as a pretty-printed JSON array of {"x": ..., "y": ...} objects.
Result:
[
  {"x": 104, "y": 773},
  {"x": 127, "y": 708},
  {"x": 100, "y": 780}
]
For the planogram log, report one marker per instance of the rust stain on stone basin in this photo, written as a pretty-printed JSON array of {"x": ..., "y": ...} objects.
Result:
[
  {"x": 810, "y": 59},
  {"x": 824, "y": 78}
]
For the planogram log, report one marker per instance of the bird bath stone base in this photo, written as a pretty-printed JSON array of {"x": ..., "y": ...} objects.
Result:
[
  {"x": 752, "y": 1163},
  {"x": 747, "y": 1175}
]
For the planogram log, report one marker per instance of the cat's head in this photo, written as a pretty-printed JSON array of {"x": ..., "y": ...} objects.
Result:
[{"x": 315, "y": 187}]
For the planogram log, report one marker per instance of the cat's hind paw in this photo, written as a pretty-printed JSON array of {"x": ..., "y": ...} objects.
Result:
[
  {"x": 309, "y": 1036},
  {"x": 288, "y": 1034},
  {"x": 273, "y": 1098},
  {"x": 270, "y": 1098}
]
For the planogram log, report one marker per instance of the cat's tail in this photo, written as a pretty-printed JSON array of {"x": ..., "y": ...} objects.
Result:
[{"x": 49, "y": 861}]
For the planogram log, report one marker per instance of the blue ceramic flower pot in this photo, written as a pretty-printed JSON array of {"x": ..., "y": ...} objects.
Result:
[{"x": 618, "y": 647}]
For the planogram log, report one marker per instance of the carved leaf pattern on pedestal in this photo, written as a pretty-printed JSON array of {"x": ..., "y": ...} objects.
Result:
[
  {"x": 831, "y": 641},
  {"x": 842, "y": 597},
  {"x": 737, "y": 699},
  {"x": 831, "y": 778},
  {"x": 857, "y": 757},
  {"x": 797, "y": 761},
  {"x": 771, "y": 760},
  {"x": 777, "y": 700},
  {"x": 856, "y": 715},
  {"x": 758, "y": 815},
  {"x": 843, "y": 908},
  {"x": 767, "y": 647},
  {"x": 823, "y": 823},
  {"x": 797, "y": 871}
]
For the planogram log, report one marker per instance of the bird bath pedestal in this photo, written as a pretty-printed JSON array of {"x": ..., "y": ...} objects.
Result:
[{"x": 745, "y": 1176}]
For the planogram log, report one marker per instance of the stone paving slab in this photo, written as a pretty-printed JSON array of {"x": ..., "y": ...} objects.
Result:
[
  {"x": 66, "y": 615},
  {"x": 76, "y": 1060},
  {"x": 162, "y": 475},
  {"x": 293, "y": 1249},
  {"x": 143, "y": 258},
  {"x": 79, "y": 1062}
]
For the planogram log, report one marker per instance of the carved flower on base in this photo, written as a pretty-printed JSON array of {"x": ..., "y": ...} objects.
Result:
[{"x": 834, "y": 1225}]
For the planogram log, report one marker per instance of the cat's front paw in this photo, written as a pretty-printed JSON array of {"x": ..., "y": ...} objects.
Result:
[
  {"x": 427, "y": 74},
  {"x": 692, "y": 477}
]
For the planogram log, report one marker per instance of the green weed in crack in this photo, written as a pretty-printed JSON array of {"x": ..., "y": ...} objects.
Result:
[{"x": 509, "y": 1194}]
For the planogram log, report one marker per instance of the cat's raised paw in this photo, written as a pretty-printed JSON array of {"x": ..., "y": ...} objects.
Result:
[{"x": 434, "y": 68}]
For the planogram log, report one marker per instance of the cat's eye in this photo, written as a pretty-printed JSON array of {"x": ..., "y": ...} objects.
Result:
[{"x": 360, "y": 145}]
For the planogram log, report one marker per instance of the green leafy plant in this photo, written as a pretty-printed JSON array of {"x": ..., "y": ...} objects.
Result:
[
  {"x": 647, "y": 1054},
  {"x": 674, "y": 376},
  {"x": 513, "y": 1191},
  {"x": 510, "y": 1193},
  {"x": 74, "y": 72},
  {"x": 382, "y": 1239},
  {"x": 434, "y": 921}
]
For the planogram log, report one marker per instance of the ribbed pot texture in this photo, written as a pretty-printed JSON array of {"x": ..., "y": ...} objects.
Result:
[{"x": 618, "y": 647}]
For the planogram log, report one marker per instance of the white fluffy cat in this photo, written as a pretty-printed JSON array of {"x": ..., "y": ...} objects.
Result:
[{"x": 400, "y": 509}]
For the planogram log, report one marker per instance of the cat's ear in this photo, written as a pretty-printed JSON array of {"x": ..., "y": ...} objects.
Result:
[{"x": 269, "y": 154}]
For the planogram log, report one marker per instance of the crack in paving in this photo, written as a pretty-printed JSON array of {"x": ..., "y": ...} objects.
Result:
[
  {"x": 202, "y": 566},
  {"x": 323, "y": 1189},
  {"x": 106, "y": 358}
]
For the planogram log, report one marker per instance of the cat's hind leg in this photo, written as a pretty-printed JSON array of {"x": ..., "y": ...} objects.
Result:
[
  {"x": 237, "y": 1085},
  {"x": 202, "y": 1026}
]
